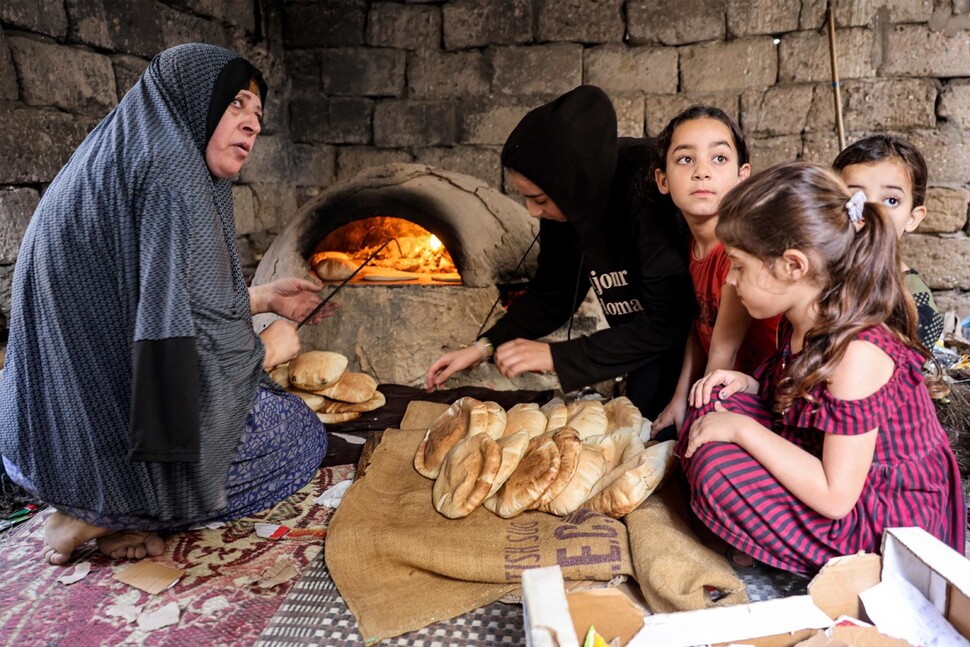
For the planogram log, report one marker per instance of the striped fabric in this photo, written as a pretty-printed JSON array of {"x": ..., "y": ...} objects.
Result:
[{"x": 913, "y": 480}]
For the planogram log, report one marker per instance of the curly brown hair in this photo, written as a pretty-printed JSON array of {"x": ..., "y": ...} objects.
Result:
[{"x": 802, "y": 206}]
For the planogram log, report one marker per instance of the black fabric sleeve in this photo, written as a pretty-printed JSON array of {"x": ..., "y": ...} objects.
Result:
[
  {"x": 165, "y": 401},
  {"x": 552, "y": 294}
]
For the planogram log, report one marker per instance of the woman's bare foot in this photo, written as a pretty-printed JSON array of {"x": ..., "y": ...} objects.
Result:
[
  {"x": 63, "y": 533},
  {"x": 131, "y": 544}
]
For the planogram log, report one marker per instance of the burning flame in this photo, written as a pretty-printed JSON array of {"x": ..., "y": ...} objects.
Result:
[{"x": 434, "y": 243}]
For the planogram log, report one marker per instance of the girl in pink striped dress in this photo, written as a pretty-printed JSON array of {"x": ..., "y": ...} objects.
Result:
[{"x": 835, "y": 438}]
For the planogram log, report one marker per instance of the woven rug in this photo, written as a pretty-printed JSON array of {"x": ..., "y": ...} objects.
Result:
[
  {"x": 219, "y": 602},
  {"x": 314, "y": 615}
]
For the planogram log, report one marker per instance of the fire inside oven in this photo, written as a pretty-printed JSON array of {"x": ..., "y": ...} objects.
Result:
[{"x": 414, "y": 255}]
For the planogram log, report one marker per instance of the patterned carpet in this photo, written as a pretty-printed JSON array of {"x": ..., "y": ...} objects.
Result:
[
  {"x": 314, "y": 614},
  {"x": 219, "y": 602}
]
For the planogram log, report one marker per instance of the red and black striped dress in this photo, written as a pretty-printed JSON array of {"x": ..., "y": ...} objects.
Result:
[{"x": 913, "y": 480}]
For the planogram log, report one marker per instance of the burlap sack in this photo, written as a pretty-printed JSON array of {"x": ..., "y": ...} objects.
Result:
[
  {"x": 671, "y": 564},
  {"x": 401, "y": 566}
]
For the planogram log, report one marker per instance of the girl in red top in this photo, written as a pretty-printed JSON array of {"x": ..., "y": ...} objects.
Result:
[
  {"x": 835, "y": 438},
  {"x": 702, "y": 156}
]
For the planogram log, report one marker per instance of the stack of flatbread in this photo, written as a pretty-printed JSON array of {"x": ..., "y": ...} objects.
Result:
[
  {"x": 556, "y": 458},
  {"x": 322, "y": 380}
]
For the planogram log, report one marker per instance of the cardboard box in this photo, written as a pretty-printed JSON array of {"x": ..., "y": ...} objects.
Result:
[{"x": 918, "y": 591}]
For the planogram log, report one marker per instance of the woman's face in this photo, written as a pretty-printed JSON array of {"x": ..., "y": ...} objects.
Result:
[
  {"x": 537, "y": 202},
  {"x": 233, "y": 139}
]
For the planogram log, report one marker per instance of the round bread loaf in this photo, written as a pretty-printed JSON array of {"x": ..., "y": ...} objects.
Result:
[
  {"x": 587, "y": 417},
  {"x": 525, "y": 416},
  {"x": 621, "y": 413},
  {"x": 569, "y": 444},
  {"x": 466, "y": 476},
  {"x": 590, "y": 467},
  {"x": 281, "y": 375},
  {"x": 332, "y": 266},
  {"x": 335, "y": 406},
  {"x": 496, "y": 419},
  {"x": 537, "y": 469},
  {"x": 622, "y": 489},
  {"x": 513, "y": 448},
  {"x": 312, "y": 400},
  {"x": 351, "y": 387},
  {"x": 445, "y": 432},
  {"x": 315, "y": 369},
  {"x": 336, "y": 418},
  {"x": 556, "y": 413},
  {"x": 613, "y": 446}
]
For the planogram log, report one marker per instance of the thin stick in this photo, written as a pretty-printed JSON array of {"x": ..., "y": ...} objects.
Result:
[
  {"x": 835, "y": 78},
  {"x": 346, "y": 281}
]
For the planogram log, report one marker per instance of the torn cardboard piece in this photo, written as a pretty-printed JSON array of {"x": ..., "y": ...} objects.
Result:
[
  {"x": 79, "y": 573},
  {"x": 150, "y": 577}
]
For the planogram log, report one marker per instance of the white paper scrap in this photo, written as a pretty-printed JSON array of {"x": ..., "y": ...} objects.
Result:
[
  {"x": 332, "y": 497},
  {"x": 353, "y": 440},
  {"x": 725, "y": 624},
  {"x": 79, "y": 573},
  {"x": 167, "y": 615},
  {"x": 546, "y": 609},
  {"x": 899, "y": 610},
  {"x": 127, "y": 611}
]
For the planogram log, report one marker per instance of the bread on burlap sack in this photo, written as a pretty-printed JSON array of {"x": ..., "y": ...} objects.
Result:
[
  {"x": 622, "y": 489},
  {"x": 673, "y": 568},
  {"x": 556, "y": 414},
  {"x": 513, "y": 448},
  {"x": 315, "y": 369},
  {"x": 621, "y": 413},
  {"x": 614, "y": 446},
  {"x": 454, "y": 423},
  {"x": 533, "y": 475},
  {"x": 351, "y": 387},
  {"x": 495, "y": 427},
  {"x": 587, "y": 417},
  {"x": 590, "y": 466},
  {"x": 466, "y": 476},
  {"x": 527, "y": 416},
  {"x": 569, "y": 444},
  {"x": 400, "y": 565}
]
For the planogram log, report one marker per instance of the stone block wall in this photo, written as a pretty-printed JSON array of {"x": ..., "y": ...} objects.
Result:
[
  {"x": 445, "y": 81},
  {"x": 359, "y": 83}
]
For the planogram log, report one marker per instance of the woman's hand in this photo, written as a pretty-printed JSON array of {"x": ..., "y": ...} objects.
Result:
[
  {"x": 521, "y": 356},
  {"x": 450, "y": 363},
  {"x": 281, "y": 343},
  {"x": 292, "y": 298},
  {"x": 727, "y": 383},
  {"x": 673, "y": 414},
  {"x": 718, "y": 426}
]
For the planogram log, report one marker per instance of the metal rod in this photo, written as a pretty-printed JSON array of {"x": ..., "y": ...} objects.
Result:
[
  {"x": 346, "y": 281},
  {"x": 833, "y": 57}
]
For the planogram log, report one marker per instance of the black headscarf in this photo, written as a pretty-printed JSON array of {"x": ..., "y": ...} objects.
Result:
[
  {"x": 235, "y": 76},
  {"x": 568, "y": 149}
]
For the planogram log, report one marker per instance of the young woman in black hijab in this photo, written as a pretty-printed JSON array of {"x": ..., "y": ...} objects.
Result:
[
  {"x": 134, "y": 397},
  {"x": 603, "y": 226}
]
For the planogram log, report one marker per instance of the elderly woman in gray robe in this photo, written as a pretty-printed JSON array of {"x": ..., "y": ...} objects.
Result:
[{"x": 135, "y": 396}]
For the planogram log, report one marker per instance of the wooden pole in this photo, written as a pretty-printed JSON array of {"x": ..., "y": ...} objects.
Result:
[{"x": 833, "y": 56}]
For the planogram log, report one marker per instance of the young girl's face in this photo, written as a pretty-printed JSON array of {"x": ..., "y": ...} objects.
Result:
[
  {"x": 702, "y": 166},
  {"x": 762, "y": 294},
  {"x": 538, "y": 204},
  {"x": 889, "y": 183}
]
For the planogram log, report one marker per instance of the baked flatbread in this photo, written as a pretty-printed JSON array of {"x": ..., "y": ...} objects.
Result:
[
  {"x": 336, "y": 418},
  {"x": 621, "y": 413},
  {"x": 587, "y": 417},
  {"x": 496, "y": 419},
  {"x": 614, "y": 446},
  {"x": 513, "y": 448},
  {"x": 351, "y": 387},
  {"x": 622, "y": 489},
  {"x": 537, "y": 469},
  {"x": 281, "y": 375},
  {"x": 590, "y": 467},
  {"x": 312, "y": 400},
  {"x": 336, "y": 406},
  {"x": 569, "y": 444},
  {"x": 332, "y": 266},
  {"x": 443, "y": 434},
  {"x": 556, "y": 413},
  {"x": 315, "y": 369},
  {"x": 527, "y": 416},
  {"x": 466, "y": 476}
]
